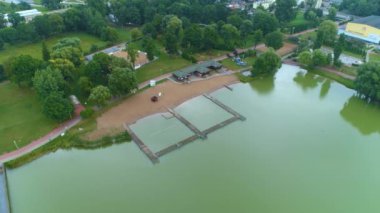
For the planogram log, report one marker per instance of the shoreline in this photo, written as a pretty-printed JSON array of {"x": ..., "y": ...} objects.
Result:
[{"x": 139, "y": 106}]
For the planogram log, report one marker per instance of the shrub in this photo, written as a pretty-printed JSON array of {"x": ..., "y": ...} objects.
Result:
[{"x": 87, "y": 113}]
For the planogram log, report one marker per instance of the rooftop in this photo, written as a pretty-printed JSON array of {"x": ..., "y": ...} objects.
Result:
[
  {"x": 373, "y": 21},
  {"x": 201, "y": 68}
]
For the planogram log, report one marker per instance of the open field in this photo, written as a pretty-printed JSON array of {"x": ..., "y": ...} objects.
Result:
[
  {"x": 374, "y": 57},
  {"x": 210, "y": 54},
  {"x": 21, "y": 117},
  {"x": 231, "y": 65},
  {"x": 34, "y": 49}
]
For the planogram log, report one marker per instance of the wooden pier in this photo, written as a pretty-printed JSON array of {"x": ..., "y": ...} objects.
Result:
[
  {"x": 228, "y": 87},
  {"x": 4, "y": 196},
  {"x": 223, "y": 106},
  {"x": 154, "y": 157},
  {"x": 144, "y": 148},
  {"x": 188, "y": 124}
]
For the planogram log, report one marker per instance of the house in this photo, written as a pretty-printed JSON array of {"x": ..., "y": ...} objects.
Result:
[
  {"x": 200, "y": 70},
  {"x": 28, "y": 15},
  {"x": 365, "y": 29}
]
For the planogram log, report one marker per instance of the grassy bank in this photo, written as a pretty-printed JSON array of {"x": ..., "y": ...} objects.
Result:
[
  {"x": 346, "y": 82},
  {"x": 72, "y": 139},
  {"x": 21, "y": 117},
  {"x": 230, "y": 64}
]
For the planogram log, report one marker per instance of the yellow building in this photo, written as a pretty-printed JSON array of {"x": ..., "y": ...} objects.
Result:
[{"x": 367, "y": 29}]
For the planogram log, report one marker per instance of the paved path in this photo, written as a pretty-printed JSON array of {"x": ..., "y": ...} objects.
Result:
[{"x": 40, "y": 142}]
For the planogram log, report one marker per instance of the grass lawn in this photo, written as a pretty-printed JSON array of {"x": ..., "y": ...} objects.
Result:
[
  {"x": 21, "y": 117},
  {"x": 210, "y": 54},
  {"x": 373, "y": 57},
  {"x": 34, "y": 49},
  {"x": 346, "y": 82},
  {"x": 164, "y": 64},
  {"x": 229, "y": 64}
]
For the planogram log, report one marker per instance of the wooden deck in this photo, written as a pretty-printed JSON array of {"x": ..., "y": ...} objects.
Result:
[
  {"x": 225, "y": 107},
  {"x": 144, "y": 148},
  {"x": 154, "y": 157},
  {"x": 188, "y": 124}
]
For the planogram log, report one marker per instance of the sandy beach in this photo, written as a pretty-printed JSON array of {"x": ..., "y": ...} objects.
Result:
[{"x": 140, "y": 105}]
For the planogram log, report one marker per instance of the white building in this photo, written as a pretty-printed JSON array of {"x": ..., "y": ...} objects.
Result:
[
  {"x": 267, "y": 3},
  {"x": 28, "y": 15}
]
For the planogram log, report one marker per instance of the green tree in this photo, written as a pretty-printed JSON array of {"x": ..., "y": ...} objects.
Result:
[
  {"x": 193, "y": 38},
  {"x": 85, "y": 85},
  {"x": 230, "y": 35},
  {"x": 22, "y": 69},
  {"x": 210, "y": 37},
  {"x": 275, "y": 40},
  {"x": 149, "y": 47},
  {"x": 100, "y": 95},
  {"x": 57, "y": 107},
  {"x": 173, "y": 34},
  {"x": 285, "y": 10},
  {"x": 246, "y": 29},
  {"x": 327, "y": 32},
  {"x": 3, "y": 22},
  {"x": 136, "y": 34},
  {"x": 15, "y": 19},
  {"x": 338, "y": 48},
  {"x": 265, "y": 21},
  {"x": 65, "y": 66},
  {"x": 122, "y": 81},
  {"x": 332, "y": 13},
  {"x": 51, "y": 4},
  {"x": 132, "y": 54},
  {"x": 267, "y": 63},
  {"x": 257, "y": 37},
  {"x": 1, "y": 44},
  {"x": 47, "y": 81},
  {"x": 306, "y": 58},
  {"x": 109, "y": 34},
  {"x": 319, "y": 58},
  {"x": 73, "y": 54},
  {"x": 367, "y": 82},
  {"x": 45, "y": 52}
]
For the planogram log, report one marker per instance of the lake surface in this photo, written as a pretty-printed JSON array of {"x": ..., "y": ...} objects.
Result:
[{"x": 308, "y": 145}]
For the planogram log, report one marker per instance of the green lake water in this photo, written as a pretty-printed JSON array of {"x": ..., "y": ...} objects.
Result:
[{"x": 307, "y": 146}]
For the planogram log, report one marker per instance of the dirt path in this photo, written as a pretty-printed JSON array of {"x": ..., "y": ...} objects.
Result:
[{"x": 139, "y": 106}]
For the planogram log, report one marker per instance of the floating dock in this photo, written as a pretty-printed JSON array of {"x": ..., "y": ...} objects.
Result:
[
  {"x": 223, "y": 106},
  {"x": 4, "y": 198},
  {"x": 198, "y": 134},
  {"x": 144, "y": 148},
  {"x": 188, "y": 124}
]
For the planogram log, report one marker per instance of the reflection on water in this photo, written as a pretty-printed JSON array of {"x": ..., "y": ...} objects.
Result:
[
  {"x": 363, "y": 116},
  {"x": 264, "y": 85},
  {"x": 295, "y": 153},
  {"x": 307, "y": 80}
]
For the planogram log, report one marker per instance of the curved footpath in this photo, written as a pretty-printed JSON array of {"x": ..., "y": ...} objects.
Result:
[{"x": 40, "y": 142}]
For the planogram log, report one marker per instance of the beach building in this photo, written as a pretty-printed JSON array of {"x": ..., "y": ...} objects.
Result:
[
  {"x": 365, "y": 29},
  {"x": 200, "y": 70},
  {"x": 28, "y": 15}
]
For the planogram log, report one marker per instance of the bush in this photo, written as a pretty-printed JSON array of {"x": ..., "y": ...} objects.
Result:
[
  {"x": 3, "y": 77},
  {"x": 87, "y": 113},
  {"x": 251, "y": 53},
  {"x": 189, "y": 57}
]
